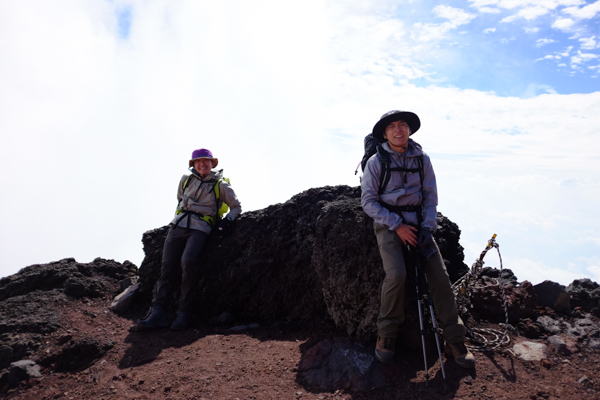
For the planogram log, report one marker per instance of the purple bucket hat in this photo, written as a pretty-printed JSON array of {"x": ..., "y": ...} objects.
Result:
[{"x": 203, "y": 153}]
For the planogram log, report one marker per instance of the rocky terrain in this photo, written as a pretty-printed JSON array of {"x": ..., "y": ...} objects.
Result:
[{"x": 286, "y": 309}]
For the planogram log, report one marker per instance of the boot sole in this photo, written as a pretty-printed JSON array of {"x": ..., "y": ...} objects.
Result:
[
  {"x": 463, "y": 364},
  {"x": 384, "y": 359}
]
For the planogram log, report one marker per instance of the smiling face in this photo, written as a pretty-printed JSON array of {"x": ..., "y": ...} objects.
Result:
[
  {"x": 203, "y": 166},
  {"x": 397, "y": 133}
]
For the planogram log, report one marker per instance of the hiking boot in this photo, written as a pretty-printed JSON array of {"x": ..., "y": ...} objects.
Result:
[
  {"x": 385, "y": 351},
  {"x": 156, "y": 318},
  {"x": 461, "y": 354},
  {"x": 182, "y": 322}
]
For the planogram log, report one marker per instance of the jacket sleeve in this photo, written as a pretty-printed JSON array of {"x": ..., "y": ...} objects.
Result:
[
  {"x": 430, "y": 196},
  {"x": 370, "y": 196},
  {"x": 229, "y": 197}
]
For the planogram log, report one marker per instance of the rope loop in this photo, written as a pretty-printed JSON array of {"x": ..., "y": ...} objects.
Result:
[{"x": 483, "y": 339}]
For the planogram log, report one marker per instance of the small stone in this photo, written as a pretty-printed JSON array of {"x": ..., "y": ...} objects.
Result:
[
  {"x": 582, "y": 379},
  {"x": 468, "y": 380}
]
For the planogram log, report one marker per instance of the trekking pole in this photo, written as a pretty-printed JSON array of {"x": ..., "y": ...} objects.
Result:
[{"x": 415, "y": 258}]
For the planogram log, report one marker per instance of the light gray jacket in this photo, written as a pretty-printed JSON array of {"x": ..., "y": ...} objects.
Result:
[
  {"x": 199, "y": 197},
  {"x": 398, "y": 192}
]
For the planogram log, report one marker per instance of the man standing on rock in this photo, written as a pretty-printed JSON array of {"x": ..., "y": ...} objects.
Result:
[
  {"x": 404, "y": 211},
  {"x": 200, "y": 194}
]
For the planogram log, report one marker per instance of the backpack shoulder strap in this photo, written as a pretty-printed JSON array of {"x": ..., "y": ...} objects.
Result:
[
  {"x": 386, "y": 169},
  {"x": 421, "y": 173},
  {"x": 385, "y": 175},
  {"x": 186, "y": 182},
  {"x": 217, "y": 189}
]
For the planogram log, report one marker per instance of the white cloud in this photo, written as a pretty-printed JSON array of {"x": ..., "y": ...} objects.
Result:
[
  {"x": 535, "y": 89},
  {"x": 532, "y": 30},
  {"x": 455, "y": 16},
  {"x": 583, "y": 57},
  {"x": 588, "y": 43},
  {"x": 489, "y": 10},
  {"x": 531, "y": 13},
  {"x": 586, "y": 12},
  {"x": 563, "y": 23},
  {"x": 548, "y": 57},
  {"x": 509, "y": 19},
  {"x": 511, "y": 4},
  {"x": 594, "y": 271},
  {"x": 429, "y": 32},
  {"x": 566, "y": 52},
  {"x": 543, "y": 42},
  {"x": 537, "y": 272},
  {"x": 95, "y": 108},
  {"x": 489, "y": 30}
]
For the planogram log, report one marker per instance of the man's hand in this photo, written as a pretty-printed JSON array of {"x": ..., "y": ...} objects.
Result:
[
  {"x": 407, "y": 234},
  {"x": 426, "y": 243}
]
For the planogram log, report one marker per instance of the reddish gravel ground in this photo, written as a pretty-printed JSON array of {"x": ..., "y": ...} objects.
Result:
[{"x": 261, "y": 363}]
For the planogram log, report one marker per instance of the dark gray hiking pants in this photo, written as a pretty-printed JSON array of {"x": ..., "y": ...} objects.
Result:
[
  {"x": 181, "y": 253},
  {"x": 391, "y": 313}
]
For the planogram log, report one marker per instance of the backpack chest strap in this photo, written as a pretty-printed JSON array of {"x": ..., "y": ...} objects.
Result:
[{"x": 418, "y": 209}]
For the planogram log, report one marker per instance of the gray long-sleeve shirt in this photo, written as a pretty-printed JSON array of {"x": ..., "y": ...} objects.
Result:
[{"x": 398, "y": 192}]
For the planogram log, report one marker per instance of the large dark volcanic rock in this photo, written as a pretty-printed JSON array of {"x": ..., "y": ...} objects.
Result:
[
  {"x": 553, "y": 295},
  {"x": 29, "y": 299},
  {"x": 585, "y": 293},
  {"x": 312, "y": 256}
]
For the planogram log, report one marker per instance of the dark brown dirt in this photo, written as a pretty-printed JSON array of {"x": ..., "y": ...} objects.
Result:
[{"x": 261, "y": 363}]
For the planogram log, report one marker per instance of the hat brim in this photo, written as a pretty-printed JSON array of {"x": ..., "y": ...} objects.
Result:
[
  {"x": 411, "y": 119},
  {"x": 215, "y": 161}
]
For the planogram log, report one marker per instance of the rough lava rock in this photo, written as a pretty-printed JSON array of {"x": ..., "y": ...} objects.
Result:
[
  {"x": 553, "y": 295},
  {"x": 585, "y": 293},
  {"x": 313, "y": 256},
  {"x": 488, "y": 300},
  {"x": 29, "y": 299}
]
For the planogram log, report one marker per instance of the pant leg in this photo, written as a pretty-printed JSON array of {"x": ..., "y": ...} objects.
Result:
[
  {"x": 190, "y": 265},
  {"x": 170, "y": 266},
  {"x": 443, "y": 298},
  {"x": 391, "y": 311}
]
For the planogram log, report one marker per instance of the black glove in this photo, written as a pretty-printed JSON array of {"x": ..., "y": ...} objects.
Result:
[
  {"x": 425, "y": 243},
  {"x": 223, "y": 225}
]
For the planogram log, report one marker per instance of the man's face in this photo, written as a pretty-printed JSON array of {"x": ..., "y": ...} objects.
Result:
[
  {"x": 396, "y": 133},
  {"x": 203, "y": 166}
]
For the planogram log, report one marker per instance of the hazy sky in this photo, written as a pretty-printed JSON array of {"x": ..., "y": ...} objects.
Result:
[{"x": 102, "y": 103}]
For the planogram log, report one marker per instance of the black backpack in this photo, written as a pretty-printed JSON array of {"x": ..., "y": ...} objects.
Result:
[{"x": 372, "y": 146}]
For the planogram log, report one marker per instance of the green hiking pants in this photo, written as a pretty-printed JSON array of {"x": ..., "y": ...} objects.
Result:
[{"x": 391, "y": 312}]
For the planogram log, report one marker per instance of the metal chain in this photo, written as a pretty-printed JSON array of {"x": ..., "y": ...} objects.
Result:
[{"x": 463, "y": 288}]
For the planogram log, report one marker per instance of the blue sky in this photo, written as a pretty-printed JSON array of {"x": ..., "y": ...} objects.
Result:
[
  {"x": 513, "y": 48},
  {"x": 102, "y": 103}
]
